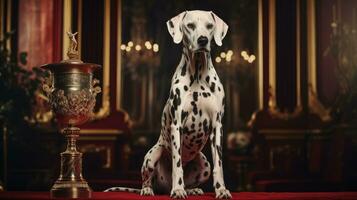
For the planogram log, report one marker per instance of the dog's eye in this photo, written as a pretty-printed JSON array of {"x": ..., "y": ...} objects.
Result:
[
  {"x": 191, "y": 26},
  {"x": 209, "y": 26}
]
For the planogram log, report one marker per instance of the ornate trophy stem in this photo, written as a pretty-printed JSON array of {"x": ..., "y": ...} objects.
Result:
[
  {"x": 70, "y": 182},
  {"x": 71, "y": 91}
]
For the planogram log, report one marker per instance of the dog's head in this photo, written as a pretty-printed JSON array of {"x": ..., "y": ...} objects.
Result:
[{"x": 196, "y": 29}]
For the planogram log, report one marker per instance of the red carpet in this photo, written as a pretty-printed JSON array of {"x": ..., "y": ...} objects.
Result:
[{"x": 240, "y": 196}]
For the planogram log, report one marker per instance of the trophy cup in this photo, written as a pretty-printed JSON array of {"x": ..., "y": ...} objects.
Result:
[{"x": 71, "y": 91}]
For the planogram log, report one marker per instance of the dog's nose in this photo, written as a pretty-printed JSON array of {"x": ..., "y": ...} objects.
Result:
[{"x": 202, "y": 41}]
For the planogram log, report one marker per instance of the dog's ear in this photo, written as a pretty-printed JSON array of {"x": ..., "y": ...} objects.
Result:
[
  {"x": 174, "y": 27},
  {"x": 220, "y": 30}
]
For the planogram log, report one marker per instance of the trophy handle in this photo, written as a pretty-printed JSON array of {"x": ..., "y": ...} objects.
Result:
[
  {"x": 47, "y": 86},
  {"x": 95, "y": 88}
]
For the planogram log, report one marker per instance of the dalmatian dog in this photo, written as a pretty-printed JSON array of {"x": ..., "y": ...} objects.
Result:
[{"x": 193, "y": 114}]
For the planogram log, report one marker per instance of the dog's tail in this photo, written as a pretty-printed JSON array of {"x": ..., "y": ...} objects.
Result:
[{"x": 123, "y": 189}]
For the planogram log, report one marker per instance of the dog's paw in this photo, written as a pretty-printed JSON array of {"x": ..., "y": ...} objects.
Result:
[
  {"x": 223, "y": 194},
  {"x": 194, "y": 191},
  {"x": 178, "y": 194},
  {"x": 147, "y": 191}
]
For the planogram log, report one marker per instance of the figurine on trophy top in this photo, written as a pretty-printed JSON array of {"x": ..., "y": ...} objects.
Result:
[{"x": 72, "y": 52}]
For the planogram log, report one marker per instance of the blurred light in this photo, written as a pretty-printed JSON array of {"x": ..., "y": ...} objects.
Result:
[
  {"x": 223, "y": 54},
  {"x": 130, "y": 44},
  {"x": 244, "y": 54},
  {"x": 137, "y": 47},
  {"x": 218, "y": 59},
  {"x": 228, "y": 58},
  {"x": 155, "y": 47},
  {"x": 252, "y": 57},
  {"x": 127, "y": 49},
  {"x": 148, "y": 45},
  {"x": 122, "y": 47},
  {"x": 229, "y": 53}
]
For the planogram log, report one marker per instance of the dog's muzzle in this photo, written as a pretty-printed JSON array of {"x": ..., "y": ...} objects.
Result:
[{"x": 202, "y": 41}]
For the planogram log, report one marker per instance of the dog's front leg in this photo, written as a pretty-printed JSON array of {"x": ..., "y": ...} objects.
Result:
[
  {"x": 178, "y": 185},
  {"x": 216, "y": 148}
]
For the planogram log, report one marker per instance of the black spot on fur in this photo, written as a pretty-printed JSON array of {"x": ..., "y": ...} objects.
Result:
[
  {"x": 213, "y": 86},
  {"x": 171, "y": 24},
  {"x": 214, "y": 19},
  {"x": 177, "y": 91},
  {"x": 185, "y": 130},
  {"x": 172, "y": 111},
  {"x": 204, "y": 94},
  {"x": 195, "y": 110},
  {"x": 192, "y": 126},
  {"x": 180, "y": 181},
  {"x": 195, "y": 96},
  {"x": 192, "y": 79},
  {"x": 177, "y": 99},
  {"x": 218, "y": 185},
  {"x": 205, "y": 173},
  {"x": 185, "y": 87},
  {"x": 207, "y": 79},
  {"x": 178, "y": 164},
  {"x": 177, "y": 81},
  {"x": 193, "y": 118},
  {"x": 171, "y": 95},
  {"x": 183, "y": 115}
]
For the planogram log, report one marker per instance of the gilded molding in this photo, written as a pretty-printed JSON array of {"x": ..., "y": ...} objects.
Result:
[
  {"x": 67, "y": 26},
  {"x": 315, "y": 106},
  {"x": 119, "y": 67},
  {"x": 311, "y": 44},
  {"x": 272, "y": 50},
  {"x": 272, "y": 105},
  {"x": 260, "y": 56},
  {"x": 79, "y": 25},
  {"x": 275, "y": 112},
  {"x": 298, "y": 55}
]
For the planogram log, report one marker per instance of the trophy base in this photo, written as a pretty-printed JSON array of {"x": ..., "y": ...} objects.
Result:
[
  {"x": 70, "y": 183},
  {"x": 70, "y": 189}
]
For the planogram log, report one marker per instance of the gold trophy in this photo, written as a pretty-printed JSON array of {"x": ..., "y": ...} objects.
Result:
[{"x": 71, "y": 91}]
